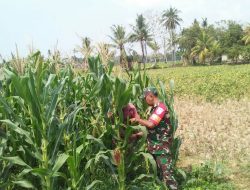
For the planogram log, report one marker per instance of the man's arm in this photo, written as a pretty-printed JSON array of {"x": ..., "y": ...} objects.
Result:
[
  {"x": 154, "y": 119},
  {"x": 136, "y": 135},
  {"x": 143, "y": 122}
]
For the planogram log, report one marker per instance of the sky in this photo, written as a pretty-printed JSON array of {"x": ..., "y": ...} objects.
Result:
[{"x": 46, "y": 24}]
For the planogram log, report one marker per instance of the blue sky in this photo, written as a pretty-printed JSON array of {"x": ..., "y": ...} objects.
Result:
[{"x": 43, "y": 23}]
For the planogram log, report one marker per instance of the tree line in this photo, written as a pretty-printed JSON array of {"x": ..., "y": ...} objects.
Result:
[{"x": 200, "y": 43}]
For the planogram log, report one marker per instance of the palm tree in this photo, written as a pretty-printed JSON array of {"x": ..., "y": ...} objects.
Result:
[
  {"x": 204, "y": 23},
  {"x": 246, "y": 37},
  {"x": 85, "y": 49},
  {"x": 119, "y": 39},
  {"x": 171, "y": 20},
  {"x": 215, "y": 51},
  {"x": 141, "y": 33},
  {"x": 155, "y": 47},
  {"x": 202, "y": 47}
]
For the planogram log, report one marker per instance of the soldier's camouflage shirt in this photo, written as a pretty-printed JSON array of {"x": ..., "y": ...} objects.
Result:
[{"x": 159, "y": 138}]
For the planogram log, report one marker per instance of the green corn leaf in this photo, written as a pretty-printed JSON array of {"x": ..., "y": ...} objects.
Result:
[
  {"x": 175, "y": 149},
  {"x": 6, "y": 106},
  {"x": 151, "y": 159},
  {"x": 79, "y": 183},
  {"x": 89, "y": 163},
  {"x": 24, "y": 183},
  {"x": 24, "y": 172},
  {"x": 59, "y": 162},
  {"x": 46, "y": 87},
  {"x": 21, "y": 102},
  {"x": 54, "y": 100},
  {"x": 79, "y": 149},
  {"x": 35, "y": 103},
  {"x": 72, "y": 166},
  {"x": 99, "y": 156},
  {"x": 59, "y": 174},
  {"x": 15, "y": 160},
  {"x": 4, "y": 185},
  {"x": 99, "y": 141},
  {"x": 183, "y": 173},
  {"x": 18, "y": 130},
  {"x": 141, "y": 142},
  {"x": 40, "y": 172},
  {"x": 57, "y": 142},
  {"x": 143, "y": 176},
  {"x": 93, "y": 184}
]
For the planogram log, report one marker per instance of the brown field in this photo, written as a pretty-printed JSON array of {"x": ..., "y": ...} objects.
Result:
[{"x": 216, "y": 132}]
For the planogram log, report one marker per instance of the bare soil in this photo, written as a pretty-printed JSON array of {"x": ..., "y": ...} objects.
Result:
[{"x": 218, "y": 132}]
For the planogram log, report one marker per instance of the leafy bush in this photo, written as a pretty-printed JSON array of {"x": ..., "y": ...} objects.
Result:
[{"x": 207, "y": 176}]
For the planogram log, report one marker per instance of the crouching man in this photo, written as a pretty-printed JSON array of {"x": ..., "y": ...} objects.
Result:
[{"x": 159, "y": 137}]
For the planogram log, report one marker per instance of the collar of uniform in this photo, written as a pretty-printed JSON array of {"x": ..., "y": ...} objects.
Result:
[{"x": 156, "y": 105}]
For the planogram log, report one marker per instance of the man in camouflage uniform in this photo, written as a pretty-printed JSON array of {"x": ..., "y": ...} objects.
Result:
[{"x": 159, "y": 137}]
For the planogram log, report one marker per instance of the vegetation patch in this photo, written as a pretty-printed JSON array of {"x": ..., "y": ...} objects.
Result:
[{"x": 211, "y": 83}]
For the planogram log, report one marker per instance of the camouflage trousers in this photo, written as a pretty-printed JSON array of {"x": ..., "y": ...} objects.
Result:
[{"x": 164, "y": 164}]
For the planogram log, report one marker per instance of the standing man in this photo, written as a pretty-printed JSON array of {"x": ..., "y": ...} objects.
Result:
[{"x": 159, "y": 137}]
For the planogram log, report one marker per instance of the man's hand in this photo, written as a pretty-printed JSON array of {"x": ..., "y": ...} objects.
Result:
[
  {"x": 135, "y": 136},
  {"x": 137, "y": 116},
  {"x": 134, "y": 120},
  {"x": 109, "y": 114}
]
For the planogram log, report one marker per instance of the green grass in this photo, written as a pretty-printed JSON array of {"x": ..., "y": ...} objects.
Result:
[
  {"x": 212, "y": 83},
  {"x": 76, "y": 149},
  {"x": 159, "y": 65},
  {"x": 207, "y": 176}
]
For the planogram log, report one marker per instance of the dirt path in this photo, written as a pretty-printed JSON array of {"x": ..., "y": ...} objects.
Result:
[{"x": 216, "y": 132}]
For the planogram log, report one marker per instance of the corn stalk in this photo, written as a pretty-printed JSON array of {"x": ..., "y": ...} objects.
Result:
[{"x": 55, "y": 133}]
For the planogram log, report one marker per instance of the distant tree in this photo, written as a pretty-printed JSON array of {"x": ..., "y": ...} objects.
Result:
[
  {"x": 231, "y": 35},
  {"x": 158, "y": 31},
  {"x": 246, "y": 53},
  {"x": 246, "y": 37},
  {"x": 204, "y": 23},
  {"x": 202, "y": 47},
  {"x": 119, "y": 39},
  {"x": 141, "y": 33},
  {"x": 215, "y": 51},
  {"x": 171, "y": 20},
  {"x": 187, "y": 41},
  {"x": 155, "y": 47},
  {"x": 134, "y": 55},
  {"x": 234, "y": 53}
]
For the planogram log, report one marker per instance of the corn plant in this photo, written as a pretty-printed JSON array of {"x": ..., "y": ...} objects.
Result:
[{"x": 55, "y": 133}]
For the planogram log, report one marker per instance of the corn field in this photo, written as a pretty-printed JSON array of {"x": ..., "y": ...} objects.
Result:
[{"x": 55, "y": 132}]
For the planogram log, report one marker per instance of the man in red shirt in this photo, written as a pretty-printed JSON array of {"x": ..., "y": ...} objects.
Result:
[{"x": 159, "y": 137}]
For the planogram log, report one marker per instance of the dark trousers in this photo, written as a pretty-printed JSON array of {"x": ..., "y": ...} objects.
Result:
[{"x": 164, "y": 164}]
